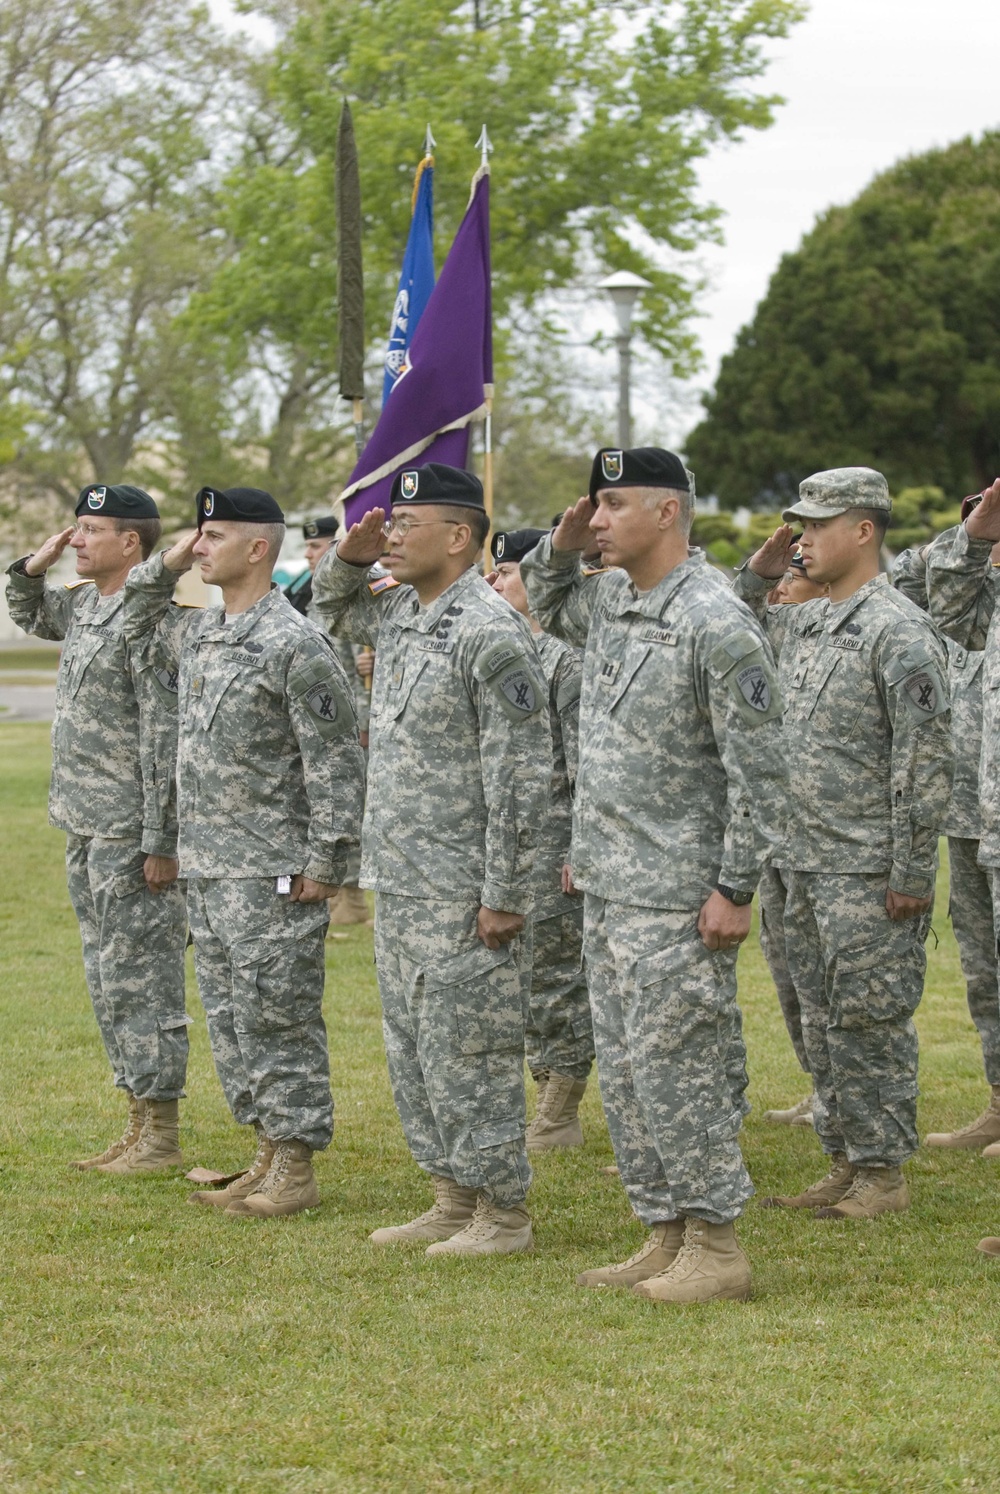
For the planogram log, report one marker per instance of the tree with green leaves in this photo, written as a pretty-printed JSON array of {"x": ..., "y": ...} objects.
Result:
[
  {"x": 878, "y": 343},
  {"x": 598, "y": 117},
  {"x": 110, "y": 111}
]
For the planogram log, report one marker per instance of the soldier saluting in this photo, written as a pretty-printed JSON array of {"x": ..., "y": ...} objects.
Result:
[
  {"x": 459, "y": 768},
  {"x": 680, "y": 778},
  {"x": 270, "y": 783}
]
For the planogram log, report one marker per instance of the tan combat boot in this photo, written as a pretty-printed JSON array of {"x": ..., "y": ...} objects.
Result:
[
  {"x": 710, "y": 1266},
  {"x": 983, "y": 1131},
  {"x": 288, "y": 1187},
  {"x": 451, "y": 1211},
  {"x": 248, "y": 1182},
  {"x": 654, "y": 1255},
  {"x": 490, "y": 1231},
  {"x": 129, "y": 1136},
  {"x": 157, "y": 1147},
  {"x": 556, "y": 1122},
  {"x": 349, "y": 906},
  {"x": 989, "y": 1246},
  {"x": 829, "y": 1190},
  {"x": 799, "y": 1115},
  {"x": 875, "y": 1190}
]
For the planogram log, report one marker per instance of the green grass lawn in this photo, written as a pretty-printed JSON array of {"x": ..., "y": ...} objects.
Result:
[{"x": 149, "y": 1346}]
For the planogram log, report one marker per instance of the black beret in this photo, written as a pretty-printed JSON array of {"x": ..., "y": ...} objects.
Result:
[
  {"x": 515, "y": 544},
  {"x": 116, "y": 501},
  {"x": 436, "y": 483},
  {"x": 324, "y": 528},
  {"x": 642, "y": 467},
  {"x": 797, "y": 562},
  {"x": 246, "y": 505}
]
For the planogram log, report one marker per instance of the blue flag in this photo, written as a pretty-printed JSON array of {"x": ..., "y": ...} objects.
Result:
[{"x": 417, "y": 279}]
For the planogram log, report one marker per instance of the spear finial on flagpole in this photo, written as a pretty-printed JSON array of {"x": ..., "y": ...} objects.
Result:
[
  {"x": 485, "y": 144},
  {"x": 429, "y": 141}
]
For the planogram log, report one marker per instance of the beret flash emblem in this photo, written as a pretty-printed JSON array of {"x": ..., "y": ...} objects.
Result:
[
  {"x": 208, "y": 504},
  {"x": 611, "y": 465},
  {"x": 96, "y": 497},
  {"x": 408, "y": 484},
  {"x": 501, "y": 545},
  {"x": 311, "y": 530}
]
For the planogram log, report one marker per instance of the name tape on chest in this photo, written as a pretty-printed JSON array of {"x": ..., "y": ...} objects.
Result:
[
  {"x": 842, "y": 640},
  {"x": 240, "y": 656},
  {"x": 659, "y": 635}
]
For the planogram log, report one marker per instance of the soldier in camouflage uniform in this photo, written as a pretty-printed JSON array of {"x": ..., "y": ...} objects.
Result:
[
  {"x": 559, "y": 1037},
  {"x": 349, "y": 906},
  {"x": 114, "y": 740},
  {"x": 970, "y": 903},
  {"x": 459, "y": 768},
  {"x": 270, "y": 783},
  {"x": 680, "y": 780},
  {"x": 867, "y": 736}
]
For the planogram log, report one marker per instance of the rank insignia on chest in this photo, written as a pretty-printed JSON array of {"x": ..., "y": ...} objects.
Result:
[
  {"x": 384, "y": 583},
  {"x": 610, "y": 671},
  {"x": 197, "y": 684},
  {"x": 754, "y": 687}
]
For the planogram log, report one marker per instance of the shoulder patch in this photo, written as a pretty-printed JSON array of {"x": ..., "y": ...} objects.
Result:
[
  {"x": 495, "y": 658},
  {"x": 383, "y": 583},
  {"x": 925, "y": 694},
  {"x": 743, "y": 663}
]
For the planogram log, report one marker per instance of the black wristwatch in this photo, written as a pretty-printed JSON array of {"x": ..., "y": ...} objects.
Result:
[{"x": 738, "y": 899}]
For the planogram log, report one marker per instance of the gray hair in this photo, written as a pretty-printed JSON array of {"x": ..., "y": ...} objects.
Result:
[
  {"x": 273, "y": 533},
  {"x": 650, "y": 497}
]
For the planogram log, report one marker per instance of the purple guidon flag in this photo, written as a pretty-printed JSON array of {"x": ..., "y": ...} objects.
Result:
[{"x": 448, "y": 367}]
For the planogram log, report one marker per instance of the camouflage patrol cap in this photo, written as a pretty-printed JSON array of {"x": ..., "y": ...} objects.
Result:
[
  {"x": 827, "y": 494},
  {"x": 116, "y": 501}
]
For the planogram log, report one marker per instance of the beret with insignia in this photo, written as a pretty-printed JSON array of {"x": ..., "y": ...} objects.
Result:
[
  {"x": 515, "y": 544},
  {"x": 640, "y": 467},
  {"x": 244, "y": 505},
  {"x": 116, "y": 500},
  {"x": 436, "y": 483},
  {"x": 322, "y": 528}
]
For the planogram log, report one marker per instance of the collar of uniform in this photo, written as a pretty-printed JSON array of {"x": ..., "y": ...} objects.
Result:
[
  {"x": 222, "y": 632},
  {"x": 105, "y": 607},
  {"x": 653, "y": 603},
  {"x": 840, "y": 611},
  {"x": 426, "y": 619}
]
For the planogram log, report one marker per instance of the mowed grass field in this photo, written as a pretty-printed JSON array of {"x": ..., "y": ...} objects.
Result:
[{"x": 150, "y": 1346}]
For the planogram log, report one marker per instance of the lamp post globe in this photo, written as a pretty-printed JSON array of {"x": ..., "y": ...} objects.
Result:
[{"x": 624, "y": 288}]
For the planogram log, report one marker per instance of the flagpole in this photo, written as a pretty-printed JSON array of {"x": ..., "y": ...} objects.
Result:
[{"x": 486, "y": 145}]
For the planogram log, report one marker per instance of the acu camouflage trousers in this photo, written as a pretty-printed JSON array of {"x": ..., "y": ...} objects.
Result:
[
  {"x": 773, "y": 892},
  {"x": 859, "y": 979},
  {"x": 670, "y": 1059},
  {"x": 453, "y": 1015},
  {"x": 133, "y": 956},
  {"x": 260, "y": 962},
  {"x": 560, "y": 1033},
  {"x": 971, "y": 909}
]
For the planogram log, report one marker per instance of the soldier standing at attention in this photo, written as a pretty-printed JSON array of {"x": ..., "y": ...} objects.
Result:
[
  {"x": 348, "y": 906},
  {"x": 270, "y": 783},
  {"x": 680, "y": 779},
  {"x": 970, "y": 893},
  {"x": 459, "y": 775},
  {"x": 114, "y": 740},
  {"x": 962, "y": 583},
  {"x": 868, "y": 742},
  {"x": 559, "y": 1037}
]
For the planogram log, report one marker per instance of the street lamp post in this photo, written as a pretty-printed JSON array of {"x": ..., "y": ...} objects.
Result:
[{"x": 624, "y": 288}]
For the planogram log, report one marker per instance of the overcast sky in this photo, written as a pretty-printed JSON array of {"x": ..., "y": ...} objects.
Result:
[{"x": 866, "y": 82}]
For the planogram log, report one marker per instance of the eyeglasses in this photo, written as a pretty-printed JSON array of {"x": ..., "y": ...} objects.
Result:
[
  {"x": 88, "y": 530},
  {"x": 404, "y": 524}
]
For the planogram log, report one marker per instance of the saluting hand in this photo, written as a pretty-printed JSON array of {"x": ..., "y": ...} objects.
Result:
[
  {"x": 573, "y": 531},
  {"x": 180, "y": 557},
  {"x": 771, "y": 561},
  {"x": 364, "y": 541},
  {"x": 48, "y": 554},
  {"x": 984, "y": 520}
]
